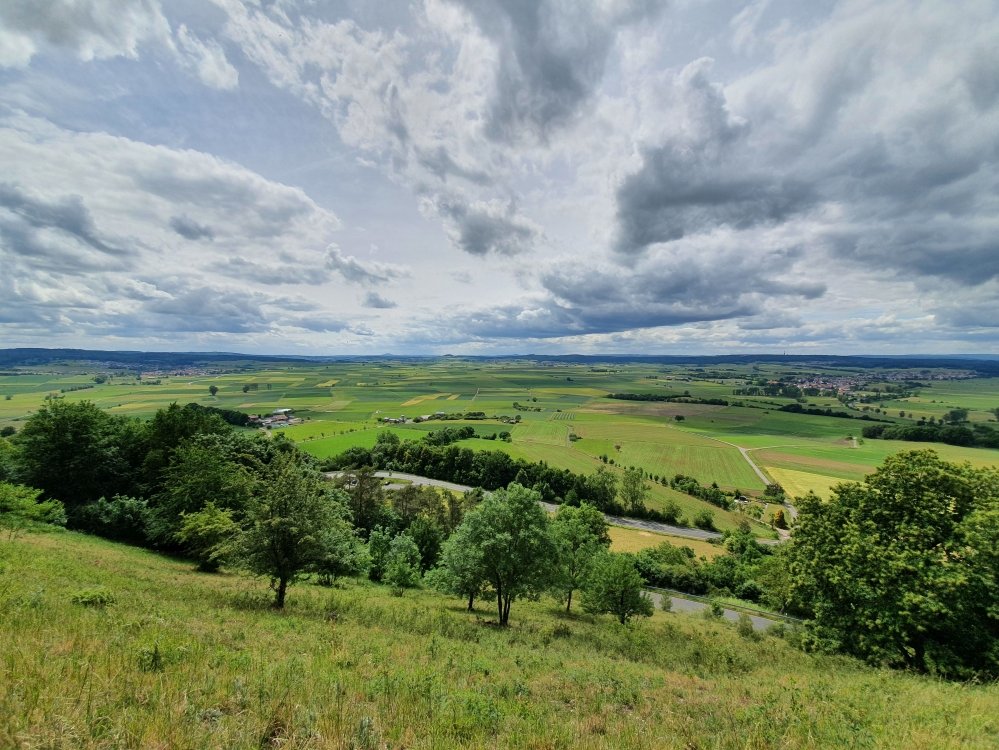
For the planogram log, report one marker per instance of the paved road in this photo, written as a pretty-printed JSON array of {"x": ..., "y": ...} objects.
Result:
[
  {"x": 679, "y": 604},
  {"x": 654, "y": 526},
  {"x": 634, "y": 523},
  {"x": 412, "y": 479}
]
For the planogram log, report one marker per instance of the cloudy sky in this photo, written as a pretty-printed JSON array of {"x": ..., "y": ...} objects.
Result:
[{"x": 500, "y": 176}]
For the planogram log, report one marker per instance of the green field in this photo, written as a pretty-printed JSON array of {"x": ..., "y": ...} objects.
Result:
[
  {"x": 189, "y": 660},
  {"x": 565, "y": 416}
]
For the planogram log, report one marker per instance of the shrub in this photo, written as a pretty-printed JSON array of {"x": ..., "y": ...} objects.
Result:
[
  {"x": 744, "y": 627},
  {"x": 402, "y": 566},
  {"x": 705, "y": 520},
  {"x": 21, "y": 509},
  {"x": 207, "y": 535},
  {"x": 121, "y": 518},
  {"x": 99, "y": 598}
]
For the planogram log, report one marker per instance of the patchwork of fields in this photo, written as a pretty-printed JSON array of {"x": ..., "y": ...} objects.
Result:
[{"x": 562, "y": 411}]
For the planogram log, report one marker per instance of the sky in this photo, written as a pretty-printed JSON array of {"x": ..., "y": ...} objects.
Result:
[{"x": 500, "y": 176}]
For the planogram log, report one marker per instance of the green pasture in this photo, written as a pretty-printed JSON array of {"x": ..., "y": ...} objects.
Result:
[
  {"x": 341, "y": 403},
  {"x": 181, "y": 659}
]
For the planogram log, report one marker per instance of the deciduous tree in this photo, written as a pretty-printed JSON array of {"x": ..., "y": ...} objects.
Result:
[
  {"x": 288, "y": 525},
  {"x": 615, "y": 587},
  {"x": 902, "y": 569},
  {"x": 634, "y": 490},
  {"x": 580, "y": 534},
  {"x": 508, "y": 537}
]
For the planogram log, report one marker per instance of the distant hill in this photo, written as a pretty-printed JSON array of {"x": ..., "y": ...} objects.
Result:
[{"x": 983, "y": 364}]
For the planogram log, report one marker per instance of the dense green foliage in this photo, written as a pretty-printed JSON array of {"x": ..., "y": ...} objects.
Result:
[
  {"x": 20, "y": 509},
  {"x": 684, "y": 398},
  {"x": 293, "y": 525},
  {"x": 614, "y": 586},
  {"x": 508, "y": 545},
  {"x": 493, "y": 470},
  {"x": 902, "y": 569},
  {"x": 580, "y": 534},
  {"x": 979, "y": 435}
]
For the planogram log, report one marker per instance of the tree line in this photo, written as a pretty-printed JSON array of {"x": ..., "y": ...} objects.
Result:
[
  {"x": 976, "y": 435},
  {"x": 493, "y": 470},
  {"x": 683, "y": 398}
]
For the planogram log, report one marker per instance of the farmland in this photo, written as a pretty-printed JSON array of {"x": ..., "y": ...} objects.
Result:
[{"x": 558, "y": 413}]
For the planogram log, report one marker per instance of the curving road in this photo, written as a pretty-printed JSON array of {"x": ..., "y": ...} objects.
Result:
[
  {"x": 679, "y": 604},
  {"x": 634, "y": 523}
]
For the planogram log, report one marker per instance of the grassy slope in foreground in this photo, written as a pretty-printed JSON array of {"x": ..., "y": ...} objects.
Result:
[{"x": 188, "y": 660}]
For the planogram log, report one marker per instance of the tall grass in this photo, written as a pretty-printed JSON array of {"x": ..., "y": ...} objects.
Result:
[{"x": 178, "y": 659}]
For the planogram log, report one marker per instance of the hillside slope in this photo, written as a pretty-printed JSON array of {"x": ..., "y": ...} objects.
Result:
[{"x": 188, "y": 660}]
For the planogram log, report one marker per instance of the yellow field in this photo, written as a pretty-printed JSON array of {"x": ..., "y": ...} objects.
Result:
[
  {"x": 332, "y": 405},
  {"x": 328, "y": 384},
  {"x": 454, "y": 397},
  {"x": 428, "y": 397},
  {"x": 635, "y": 540},
  {"x": 799, "y": 483}
]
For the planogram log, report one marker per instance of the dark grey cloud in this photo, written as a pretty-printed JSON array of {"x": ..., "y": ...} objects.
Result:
[
  {"x": 317, "y": 322},
  {"x": 290, "y": 270},
  {"x": 208, "y": 309},
  {"x": 703, "y": 284},
  {"x": 904, "y": 190},
  {"x": 966, "y": 252},
  {"x": 552, "y": 56},
  {"x": 703, "y": 177},
  {"x": 484, "y": 228},
  {"x": 67, "y": 215},
  {"x": 377, "y": 301},
  {"x": 680, "y": 191},
  {"x": 88, "y": 28},
  {"x": 360, "y": 272},
  {"x": 57, "y": 234},
  {"x": 190, "y": 229}
]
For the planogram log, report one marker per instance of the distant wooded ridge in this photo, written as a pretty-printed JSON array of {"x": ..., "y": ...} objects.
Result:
[{"x": 983, "y": 364}]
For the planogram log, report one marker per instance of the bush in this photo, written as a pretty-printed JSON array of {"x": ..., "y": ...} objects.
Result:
[
  {"x": 402, "y": 565},
  {"x": 99, "y": 598},
  {"x": 705, "y": 520},
  {"x": 121, "y": 518},
  {"x": 744, "y": 627},
  {"x": 207, "y": 535},
  {"x": 21, "y": 509}
]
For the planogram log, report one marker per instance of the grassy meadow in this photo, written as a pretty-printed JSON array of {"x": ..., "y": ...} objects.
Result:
[
  {"x": 566, "y": 418},
  {"x": 179, "y": 659}
]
